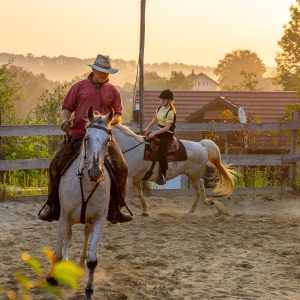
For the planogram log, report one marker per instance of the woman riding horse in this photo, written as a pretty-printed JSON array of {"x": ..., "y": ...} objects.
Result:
[{"x": 165, "y": 117}]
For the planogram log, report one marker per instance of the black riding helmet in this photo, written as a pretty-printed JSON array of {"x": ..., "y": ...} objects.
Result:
[{"x": 166, "y": 94}]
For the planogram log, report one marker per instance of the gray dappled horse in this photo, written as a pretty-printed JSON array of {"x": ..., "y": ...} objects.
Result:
[
  {"x": 198, "y": 154},
  {"x": 90, "y": 164}
]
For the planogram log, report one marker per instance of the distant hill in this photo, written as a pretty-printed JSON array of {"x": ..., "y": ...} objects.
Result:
[{"x": 63, "y": 68}]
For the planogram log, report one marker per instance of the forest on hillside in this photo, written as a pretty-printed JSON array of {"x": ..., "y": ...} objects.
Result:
[{"x": 63, "y": 68}]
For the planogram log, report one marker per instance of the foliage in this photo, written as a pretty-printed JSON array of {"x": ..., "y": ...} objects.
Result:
[
  {"x": 289, "y": 111},
  {"x": 67, "y": 273},
  {"x": 249, "y": 82},
  {"x": 8, "y": 87},
  {"x": 288, "y": 60},
  {"x": 178, "y": 81},
  {"x": 31, "y": 86},
  {"x": 63, "y": 68},
  {"x": 154, "y": 82},
  {"x": 25, "y": 182},
  {"x": 234, "y": 67},
  {"x": 48, "y": 110}
]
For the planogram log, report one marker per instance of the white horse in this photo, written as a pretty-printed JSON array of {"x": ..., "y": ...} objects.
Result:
[
  {"x": 90, "y": 164},
  {"x": 198, "y": 154}
]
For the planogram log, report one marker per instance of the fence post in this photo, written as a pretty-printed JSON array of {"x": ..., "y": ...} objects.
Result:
[{"x": 293, "y": 168}]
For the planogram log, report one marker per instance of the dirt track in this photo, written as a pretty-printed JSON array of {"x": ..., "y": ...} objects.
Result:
[{"x": 252, "y": 254}]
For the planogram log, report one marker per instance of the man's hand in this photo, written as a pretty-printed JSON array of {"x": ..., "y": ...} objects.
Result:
[
  {"x": 66, "y": 125},
  {"x": 116, "y": 119}
]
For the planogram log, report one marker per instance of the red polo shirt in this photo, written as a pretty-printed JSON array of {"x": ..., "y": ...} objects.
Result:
[{"x": 84, "y": 94}]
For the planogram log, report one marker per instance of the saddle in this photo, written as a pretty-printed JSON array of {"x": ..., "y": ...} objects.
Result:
[{"x": 176, "y": 151}]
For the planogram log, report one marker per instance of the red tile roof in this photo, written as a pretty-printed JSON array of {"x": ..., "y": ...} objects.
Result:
[{"x": 266, "y": 106}]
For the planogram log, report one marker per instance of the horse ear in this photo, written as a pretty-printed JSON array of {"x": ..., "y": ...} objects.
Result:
[
  {"x": 90, "y": 113},
  {"x": 110, "y": 115}
]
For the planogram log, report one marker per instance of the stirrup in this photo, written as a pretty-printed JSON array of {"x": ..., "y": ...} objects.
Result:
[{"x": 161, "y": 180}]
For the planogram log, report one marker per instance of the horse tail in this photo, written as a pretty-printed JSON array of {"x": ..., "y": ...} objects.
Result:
[{"x": 225, "y": 184}]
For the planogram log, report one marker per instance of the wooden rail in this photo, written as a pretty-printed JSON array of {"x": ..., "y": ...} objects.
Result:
[
  {"x": 291, "y": 159},
  {"x": 38, "y": 130}
]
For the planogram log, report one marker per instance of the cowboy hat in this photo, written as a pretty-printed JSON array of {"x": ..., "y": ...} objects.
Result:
[{"x": 102, "y": 64}]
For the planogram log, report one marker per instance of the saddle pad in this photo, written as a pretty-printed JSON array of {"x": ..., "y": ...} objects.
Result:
[{"x": 179, "y": 155}]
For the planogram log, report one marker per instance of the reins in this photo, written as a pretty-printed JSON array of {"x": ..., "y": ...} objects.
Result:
[
  {"x": 123, "y": 152},
  {"x": 80, "y": 175}
]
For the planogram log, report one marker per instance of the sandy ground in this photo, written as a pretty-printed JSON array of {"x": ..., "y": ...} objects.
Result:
[{"x": 252, "y": 254}]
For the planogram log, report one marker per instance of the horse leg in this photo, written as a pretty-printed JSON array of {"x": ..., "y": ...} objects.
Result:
[
  {"x": 97, "y": 232},
  {"x": 61, "y": 233},
  {"x": 67, "y": 243},
  {"x": 87, "y": 231},
  {"x": 198, "y": 186},
  {"x": 139, "y": 192}
]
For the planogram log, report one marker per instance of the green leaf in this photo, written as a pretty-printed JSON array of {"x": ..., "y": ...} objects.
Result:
[{"x": 68, "y": 273}]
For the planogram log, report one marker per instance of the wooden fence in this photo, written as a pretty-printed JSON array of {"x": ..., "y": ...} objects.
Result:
[{"x": 290, "y": 159}]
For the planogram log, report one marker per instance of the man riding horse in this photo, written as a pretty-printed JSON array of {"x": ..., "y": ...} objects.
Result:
[{"x": 94, "y": 91}]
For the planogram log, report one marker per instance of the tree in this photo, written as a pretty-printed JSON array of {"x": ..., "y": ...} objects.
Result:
[
  {"x": 233, "y": 67},
  {"x": 178, "y": 81},
  {"x": 154, "y": 82},
  {"x": 8, "y": 88},
  {"x": 248, "y": 83},
  {"x": 288, "y": 60},
  {"x": 48, "y": 111}
]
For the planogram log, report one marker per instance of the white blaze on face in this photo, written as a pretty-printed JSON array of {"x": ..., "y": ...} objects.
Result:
[{"x": 96, "y": 143}]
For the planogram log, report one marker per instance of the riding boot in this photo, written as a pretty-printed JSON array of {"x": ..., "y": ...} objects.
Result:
[
  {"x": 161, "y": 178},
  {"x": 116, "y": 202},
  {"x": 45, "y": 213},
  {"x": 115, "y": 215}
]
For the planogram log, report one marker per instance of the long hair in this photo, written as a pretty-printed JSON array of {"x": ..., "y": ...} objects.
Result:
[{"x": 172, "y": 106}]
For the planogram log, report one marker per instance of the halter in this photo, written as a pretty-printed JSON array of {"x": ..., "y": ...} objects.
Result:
[
  {"x": 80, "y": 173},
  {"x": 97, "y": 126}
]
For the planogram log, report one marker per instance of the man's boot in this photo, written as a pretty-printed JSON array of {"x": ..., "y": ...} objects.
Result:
[
  {"x": 45, "y": 213},
  {"x": 116, "y": 216},
  {"x": 116, "y": 202}
]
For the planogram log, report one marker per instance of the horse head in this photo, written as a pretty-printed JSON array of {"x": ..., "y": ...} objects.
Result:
[{"x": 96, "y": 142}]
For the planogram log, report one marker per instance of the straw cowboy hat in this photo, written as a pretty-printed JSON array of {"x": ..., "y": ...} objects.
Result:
[{"x": 102, "y": 64}]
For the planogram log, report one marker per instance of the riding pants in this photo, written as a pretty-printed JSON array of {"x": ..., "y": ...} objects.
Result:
[
  {"x": 164, "y": 143},
  {"x": 67, "y": 152}
]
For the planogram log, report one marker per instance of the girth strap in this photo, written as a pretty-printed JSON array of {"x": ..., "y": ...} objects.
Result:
[{"x": 149, "y": 173}]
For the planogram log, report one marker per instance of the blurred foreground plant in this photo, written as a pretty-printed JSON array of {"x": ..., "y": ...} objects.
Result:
[{"x": 67, "y": 273}]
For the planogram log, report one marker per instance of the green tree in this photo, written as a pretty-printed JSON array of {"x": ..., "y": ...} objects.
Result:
[
  {"x": 235, "y": 65},
  {"x": 178, "y": 81},
  {"x": 8, "y": 88},
  {"x": 249, "y": 82},
  {"x": 288, "y": 60},
  {"x": 154, "y": 82},
  {"x": 48, "y": 111}
]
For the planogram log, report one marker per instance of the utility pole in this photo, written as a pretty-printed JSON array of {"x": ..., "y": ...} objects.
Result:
[{"x": 141, "y": 63}]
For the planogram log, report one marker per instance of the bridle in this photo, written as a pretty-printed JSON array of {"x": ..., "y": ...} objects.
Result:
[
  {"x": 97, "y": 126},
  {"x": 80, "y": 172}
]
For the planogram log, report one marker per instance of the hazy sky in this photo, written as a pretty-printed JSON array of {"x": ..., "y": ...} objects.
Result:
[{"x": 188, "y": 31}]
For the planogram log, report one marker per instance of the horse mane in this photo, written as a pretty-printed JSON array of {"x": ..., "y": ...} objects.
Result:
[{"x": 126, "y": 130}]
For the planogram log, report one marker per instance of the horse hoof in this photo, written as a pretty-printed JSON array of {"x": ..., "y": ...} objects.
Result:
[
  {"x": 52, "y": 281},
  {"x": 89, "y": 294},
  {"x": 145, "y": 214},
  {"x": 188, "y": 212}
]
